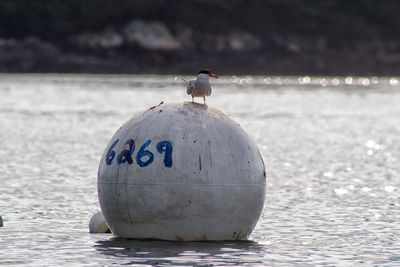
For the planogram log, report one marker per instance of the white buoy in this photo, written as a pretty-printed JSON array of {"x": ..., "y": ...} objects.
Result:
[
  {"x": 182, "y": 172},
  {"x": 98, "y": 224}
]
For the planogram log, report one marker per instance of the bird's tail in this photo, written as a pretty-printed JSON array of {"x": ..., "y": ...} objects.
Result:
[{"x": 183, "y": 80}]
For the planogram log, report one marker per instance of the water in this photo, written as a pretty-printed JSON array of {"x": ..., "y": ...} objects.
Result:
[{"x": 331, "y": 147}]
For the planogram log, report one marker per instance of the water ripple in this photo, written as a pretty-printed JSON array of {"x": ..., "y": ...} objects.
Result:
[{"x": 331, "y": 147}]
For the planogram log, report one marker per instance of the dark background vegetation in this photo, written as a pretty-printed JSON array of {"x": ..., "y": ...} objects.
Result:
[{"x": 330, "y": 37}]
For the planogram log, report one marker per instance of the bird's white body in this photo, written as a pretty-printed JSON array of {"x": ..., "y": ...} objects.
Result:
[{"x": 199, "y": 87}]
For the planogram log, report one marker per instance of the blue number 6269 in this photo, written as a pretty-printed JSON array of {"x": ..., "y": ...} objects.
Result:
[{"x": 143, "y": 157}]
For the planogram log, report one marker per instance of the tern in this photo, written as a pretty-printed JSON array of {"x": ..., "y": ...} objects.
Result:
[{"x": 200, "y": 86}]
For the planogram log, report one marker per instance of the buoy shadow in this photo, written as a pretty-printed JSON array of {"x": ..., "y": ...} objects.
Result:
[{"x": 168, "y": 252}]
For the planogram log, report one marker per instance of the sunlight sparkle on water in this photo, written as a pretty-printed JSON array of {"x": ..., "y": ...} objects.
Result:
[
  {"x": 341, "y": 191},
  {"x": 389, "y": 188}
]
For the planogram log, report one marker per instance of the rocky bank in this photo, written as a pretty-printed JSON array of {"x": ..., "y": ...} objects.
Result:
[{"x": 143, "y": 46}]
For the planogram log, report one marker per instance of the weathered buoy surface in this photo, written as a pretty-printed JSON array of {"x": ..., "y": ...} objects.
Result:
[
  {"x": 183, "y": 172},
  {"x": 98, "y": 224}
]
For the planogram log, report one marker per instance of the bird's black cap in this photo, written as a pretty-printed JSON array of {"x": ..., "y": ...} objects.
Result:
[
  {"x": 208, "y": 72},
  {"x": 205, "y": 71}
]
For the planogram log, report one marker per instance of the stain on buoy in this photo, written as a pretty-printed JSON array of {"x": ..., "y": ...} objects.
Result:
[
  {"x": 98, "y": 224},
  {"x": 158, "y": 162},
  {"x": 1, "y": 222}
]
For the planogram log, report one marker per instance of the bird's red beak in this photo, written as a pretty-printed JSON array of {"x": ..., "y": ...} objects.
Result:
[{"x": 213, "y": 75}]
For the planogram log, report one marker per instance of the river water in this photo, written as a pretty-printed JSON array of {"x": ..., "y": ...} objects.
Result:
[{"x": 331, "y": 147}]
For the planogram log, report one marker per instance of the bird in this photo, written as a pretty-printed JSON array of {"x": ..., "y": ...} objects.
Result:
[{"x": 200, "y": 86}]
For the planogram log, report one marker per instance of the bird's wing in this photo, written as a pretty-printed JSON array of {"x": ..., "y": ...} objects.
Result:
[
  {"x": 190, "y": 87},
  {"x": 209, "y": 91}
]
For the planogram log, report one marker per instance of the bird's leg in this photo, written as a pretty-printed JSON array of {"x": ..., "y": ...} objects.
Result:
[
  {"x": 204, "y": 99},
  {"x": 192, "y": 99}
]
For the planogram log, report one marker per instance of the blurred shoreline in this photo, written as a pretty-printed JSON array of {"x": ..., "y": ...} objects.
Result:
[
  {"x": 366, "y": 58},
  {"x": 335, "y": 38}
]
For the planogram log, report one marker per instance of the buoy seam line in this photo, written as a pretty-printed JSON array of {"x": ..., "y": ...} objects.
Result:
[{"x": 185, "y": 184}]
